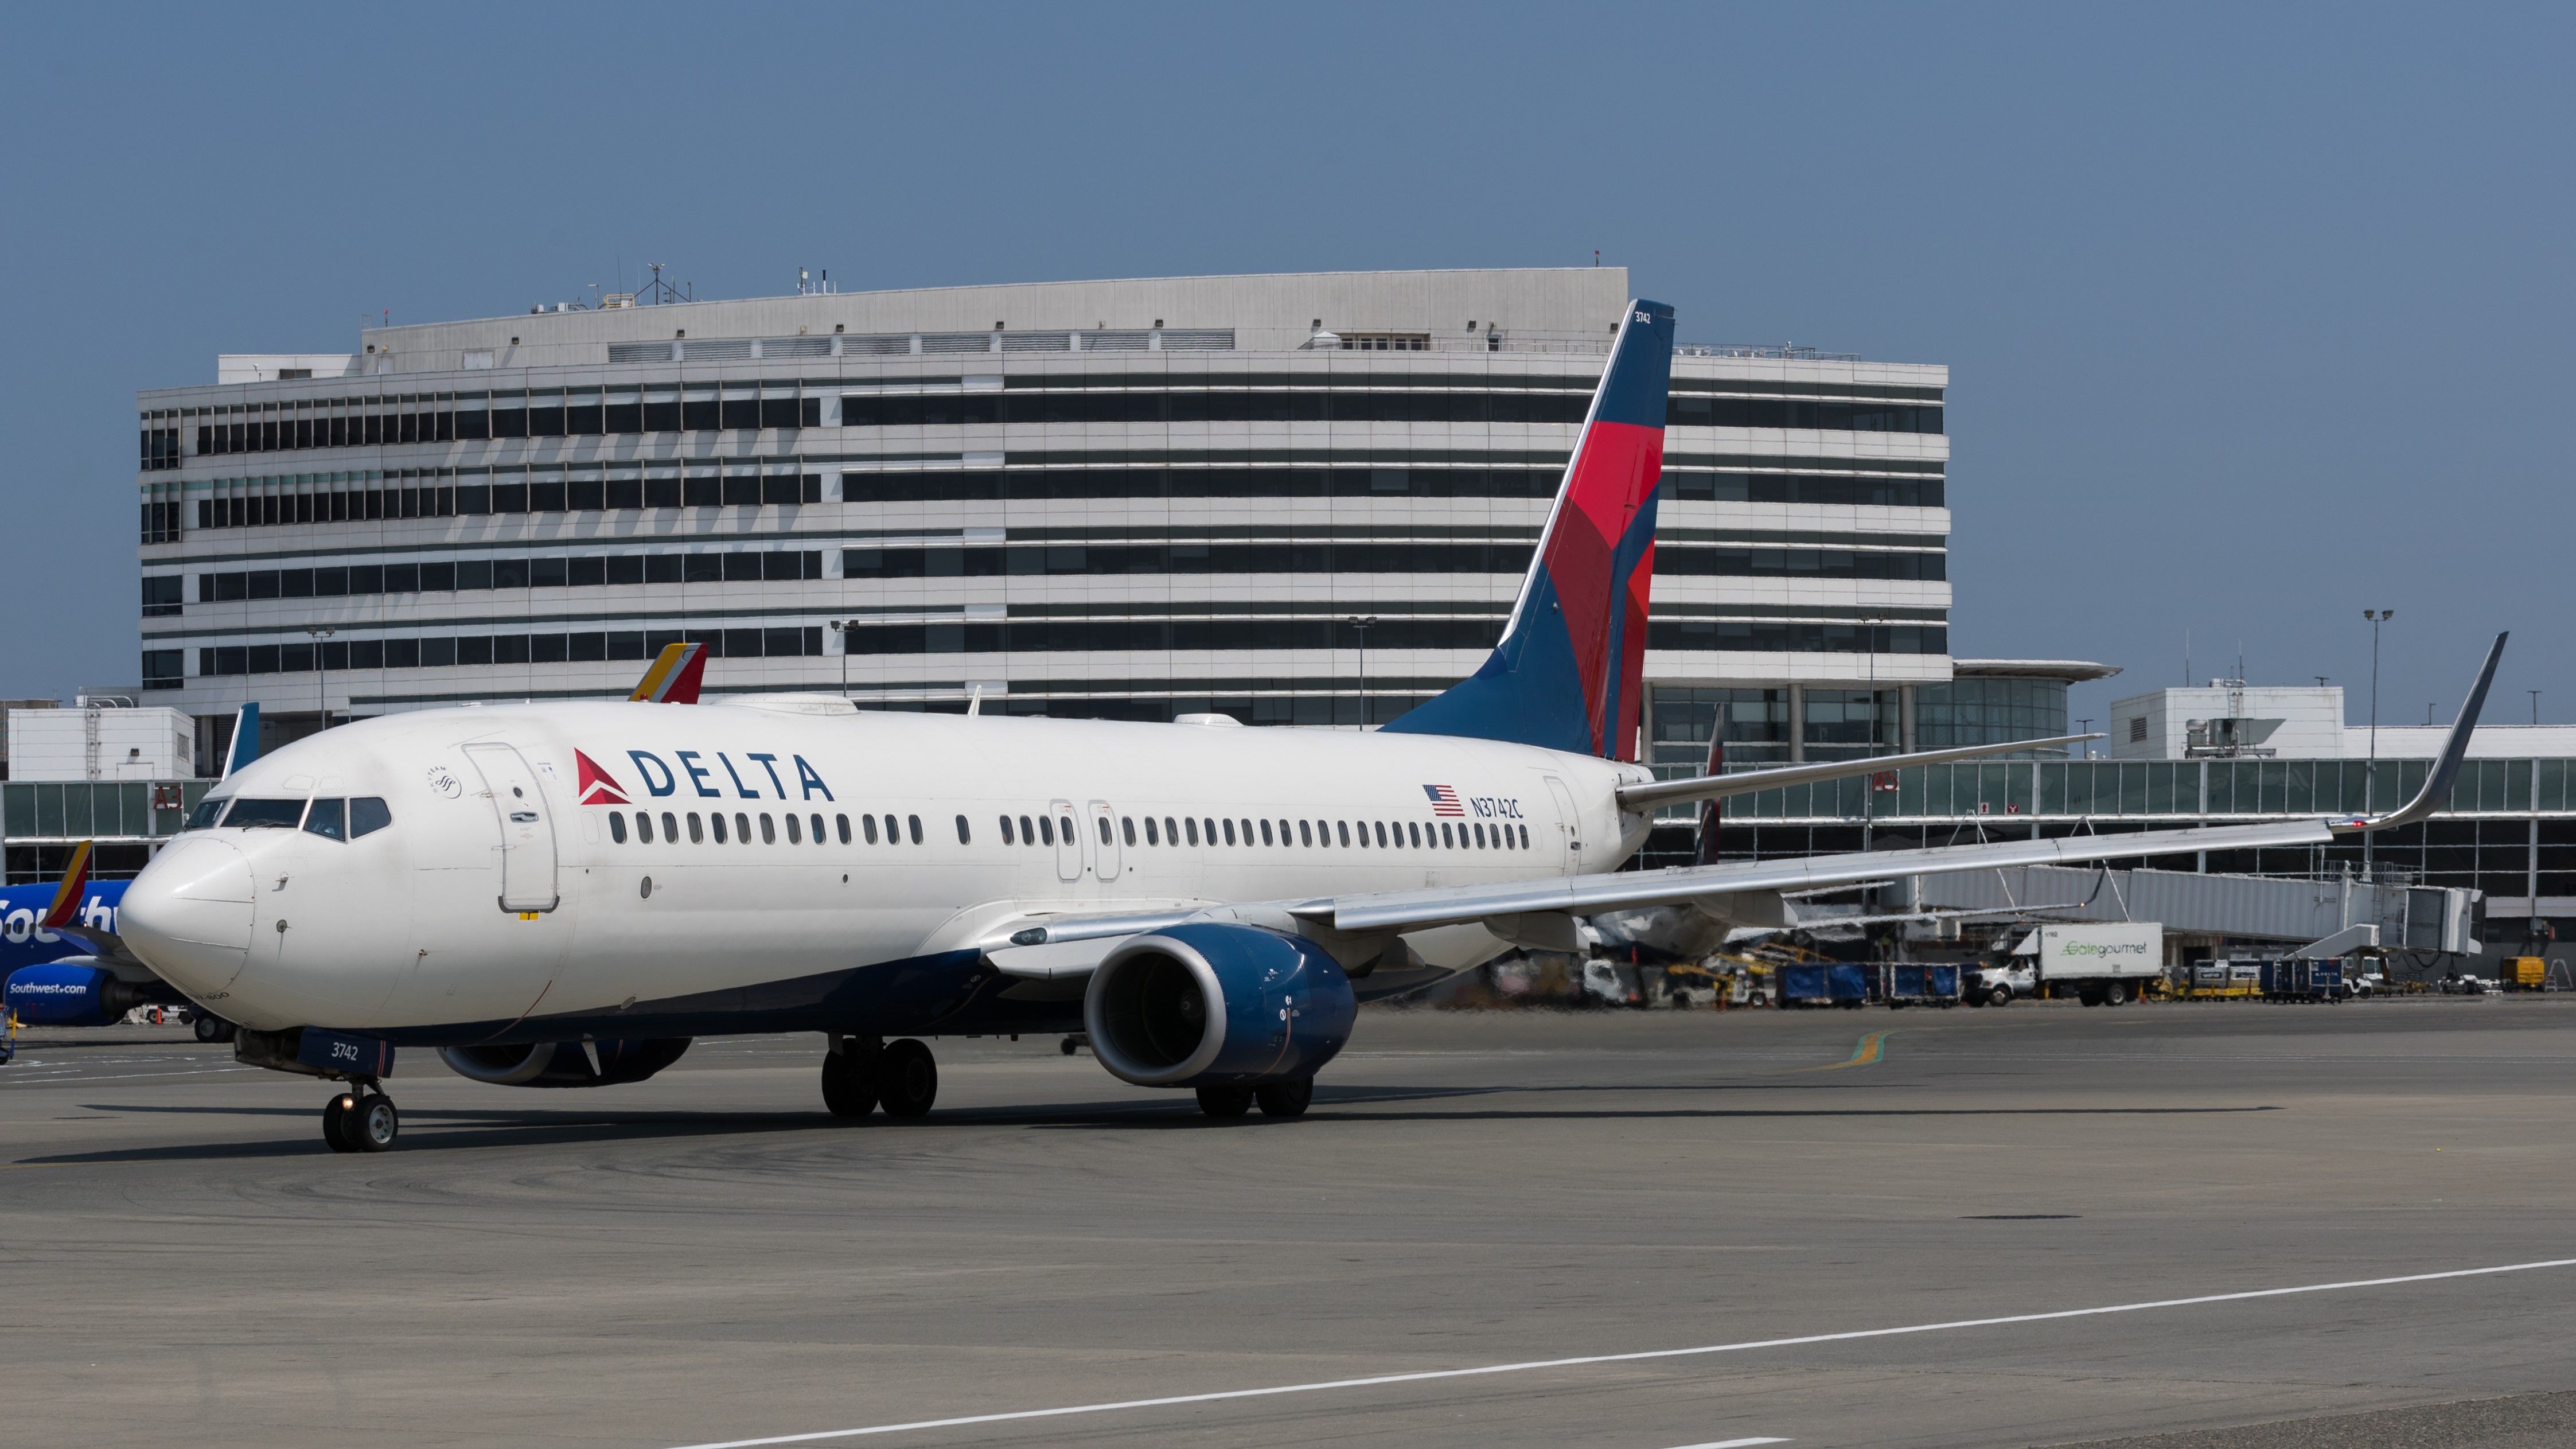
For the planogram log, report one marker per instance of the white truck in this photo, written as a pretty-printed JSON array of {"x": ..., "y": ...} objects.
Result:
[{"x": 2101, "y": 965}]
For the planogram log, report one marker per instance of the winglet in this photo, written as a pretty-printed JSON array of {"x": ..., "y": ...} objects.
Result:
[
  {"x": 245, "y": 739},
  {"x": 674, "y": 677},
  {"x": 2437, "y": 786},
  {"x": 66, "y": 907}
]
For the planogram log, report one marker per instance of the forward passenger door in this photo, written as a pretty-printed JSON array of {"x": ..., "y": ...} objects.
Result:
[
  {"x": 1104, "y": 826},
  {"x": 1068, "y": 840}
]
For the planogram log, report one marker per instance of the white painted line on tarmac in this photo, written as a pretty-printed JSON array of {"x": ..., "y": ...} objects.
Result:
[
  {"x": 1639, "y": 1356},
  {"x": 1731, "y": 1444}
]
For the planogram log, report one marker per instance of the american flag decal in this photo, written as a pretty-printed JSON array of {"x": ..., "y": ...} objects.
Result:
[{"x": 1444, "y": 801}]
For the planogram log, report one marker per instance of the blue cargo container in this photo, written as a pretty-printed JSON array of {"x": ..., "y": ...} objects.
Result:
[
  {"x": 1905, "y": 983},
  {"x": 1823, "y": 983}
]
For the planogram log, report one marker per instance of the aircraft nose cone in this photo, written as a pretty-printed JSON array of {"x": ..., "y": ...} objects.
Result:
[{"x": 188, "y": 915}]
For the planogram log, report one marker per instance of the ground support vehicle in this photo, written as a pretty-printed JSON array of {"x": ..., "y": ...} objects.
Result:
[{"x": 2109, "y": 964}]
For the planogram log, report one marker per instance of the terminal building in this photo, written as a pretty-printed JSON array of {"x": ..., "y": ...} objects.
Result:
[{"x": 1297, "y": 499}]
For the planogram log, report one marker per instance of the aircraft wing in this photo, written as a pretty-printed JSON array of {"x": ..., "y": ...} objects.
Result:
[
  {"x": 1752, "y": 782},
  {"x": 1587, "y": 895}
]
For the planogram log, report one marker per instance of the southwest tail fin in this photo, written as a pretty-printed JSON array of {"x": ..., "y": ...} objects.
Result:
[
  {"x": 674, "y": 677},
  {"x": 1567, "y": 672},
  {"x": 65, "y": 909}
]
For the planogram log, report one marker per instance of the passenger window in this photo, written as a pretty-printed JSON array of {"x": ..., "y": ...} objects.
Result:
[
  {"x": 741, "y": 828},
  {"x": 1229, "y": 832},
  {"x": 670, "y": 828},
  {"x": 893, "y": 836},
  {"x": 794, "y": 836},
  {"x": 1152, "y": 835},
  {"x": 328, "y": 819},
  {"x": 870, "y": 822},
  {"x": 962, "y": 837},
  {"x": 1171, "y": 831},
  {"x": 1007, "y": 838},
  {"x": 1344, "y": 827},
  {"x": 1247, "y": 832},
  {"x": 916, "y": 828},
  {"x": 715, "y": 822},
  {"x": 1265, "y": 832},
  {"x": 842, "y": 822},
  {"x": 697, "y": 834},
  {"x": 617, "y": 826},
  {"x": 1126, "y": 824},
  {"x": 768, "y": 829},
  {"x": 1413, "y": 832},
  {"x": 1381, "y": 835},
  {"x": 1305, "y": 834},
  {"x": 643, "y": 827},
  {"x": 1028, "y": 836},
  {"x": 1193, "y": 826},
  {"x": 1104, "y": 831},
  {"x": 1211, "y": 833}
]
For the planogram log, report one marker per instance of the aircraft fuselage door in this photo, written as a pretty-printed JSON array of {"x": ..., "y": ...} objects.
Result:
[
  {"x": 1104, "y": 842},
  {"x": 1569, "y": 826},
  {"x": 1068, "y": 840},
  {"x": 527, "y": 827}
]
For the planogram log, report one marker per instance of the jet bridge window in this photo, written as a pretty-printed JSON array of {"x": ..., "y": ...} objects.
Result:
[{"x": 250, "y": 814}]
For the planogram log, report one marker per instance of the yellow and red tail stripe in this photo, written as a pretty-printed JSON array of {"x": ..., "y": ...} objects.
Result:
[
  {"x": 674, "y": 677},
  {"x": 66, "y": 906}
]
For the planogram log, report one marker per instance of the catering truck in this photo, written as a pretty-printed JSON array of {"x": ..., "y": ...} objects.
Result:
[{"x": 2101, "y": 965}]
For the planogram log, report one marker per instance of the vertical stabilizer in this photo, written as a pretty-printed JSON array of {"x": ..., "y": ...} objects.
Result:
[
  {"x": 1567, "y": 672},
  {"x": 245, "y": 747}
]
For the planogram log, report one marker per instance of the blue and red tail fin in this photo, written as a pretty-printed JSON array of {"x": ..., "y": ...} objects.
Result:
[{"x": 1568, "y": 672}]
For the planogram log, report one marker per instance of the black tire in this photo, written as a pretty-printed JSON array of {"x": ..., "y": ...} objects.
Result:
[
  {"x": 334, "y": 1123},
  {"x": 374, "y": 1125},
  {"x": 2115, "y": 993},
  {"x": 1999, "y": 996},
  {"x": 210, "y": 1029},
  {"x": 1224, "y": 1104},
  {"x": 1285, "y": 1099},
  {"x": 849, "y": 1089},
  {"x": 907, "y": 1079}
]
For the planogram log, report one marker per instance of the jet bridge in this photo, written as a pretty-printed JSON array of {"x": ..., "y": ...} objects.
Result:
[{"x": 2239, "y": 907}]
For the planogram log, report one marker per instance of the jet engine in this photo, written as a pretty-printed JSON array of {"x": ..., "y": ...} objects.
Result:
[
  {"x": 67, "y": 993},
  {"x": 564, "y": 1063},
  {"x": 1208, "y": 1004}
]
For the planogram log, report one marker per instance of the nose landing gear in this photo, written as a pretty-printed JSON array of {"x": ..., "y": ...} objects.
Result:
[{"x": 361, "y": 1120}]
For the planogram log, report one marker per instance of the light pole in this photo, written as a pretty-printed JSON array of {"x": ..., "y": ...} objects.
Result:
[
  {"x": 1363, "y": 623},
  {"x": 2370, "y": 775},
  {"x": 843, "y": 628},
  {"x": 2535, "y": 704},
  {"x": 318, "y": 633}
]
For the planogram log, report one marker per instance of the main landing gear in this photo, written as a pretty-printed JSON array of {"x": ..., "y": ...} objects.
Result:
[
  {"x": 1277, "y": 1099},
  {"x": 861, "y": 1074},
  {"x": 361, "y": 1119}
]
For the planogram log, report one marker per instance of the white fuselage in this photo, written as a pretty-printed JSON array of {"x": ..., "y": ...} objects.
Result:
[{"x": 502, "y": 890}]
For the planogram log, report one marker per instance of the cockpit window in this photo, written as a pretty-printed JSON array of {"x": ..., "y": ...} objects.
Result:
[
  {"x": 367, "y": 814},
  {"x": 206, "y": 814},
  {"x": 250, "y": 814},
  {"x": 328, "y": 819}
]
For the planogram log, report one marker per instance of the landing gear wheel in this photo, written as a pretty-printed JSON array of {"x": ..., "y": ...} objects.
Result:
[
  {"x": 212, "y": 1029},
  {"x": 907, "y": 1078},
  {"x": 335, "y": 1118},
  {"x": 1285, "y": 1099},
  {"x": 374, "y": 1124},
  {"x": 849, "y": 1088},
  {"x": 2115, "y": 993},
  {"x": 1224, "y": 1104}
]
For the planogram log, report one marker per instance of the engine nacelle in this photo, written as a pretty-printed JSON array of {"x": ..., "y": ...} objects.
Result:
[
  {"x": 563, "y": 1063},
  {"x": 66, "y": 993},
  {"x": 1207, "y": 1005}
]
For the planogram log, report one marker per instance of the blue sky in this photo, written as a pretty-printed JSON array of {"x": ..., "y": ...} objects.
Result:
[{"x": 2257, "y": 316}]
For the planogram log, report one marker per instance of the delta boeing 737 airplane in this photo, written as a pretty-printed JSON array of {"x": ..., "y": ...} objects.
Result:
[{"x": 564, "y": 895}]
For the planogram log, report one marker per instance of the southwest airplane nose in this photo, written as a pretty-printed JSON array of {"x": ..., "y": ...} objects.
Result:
[{"x": 188, "y": 915}]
